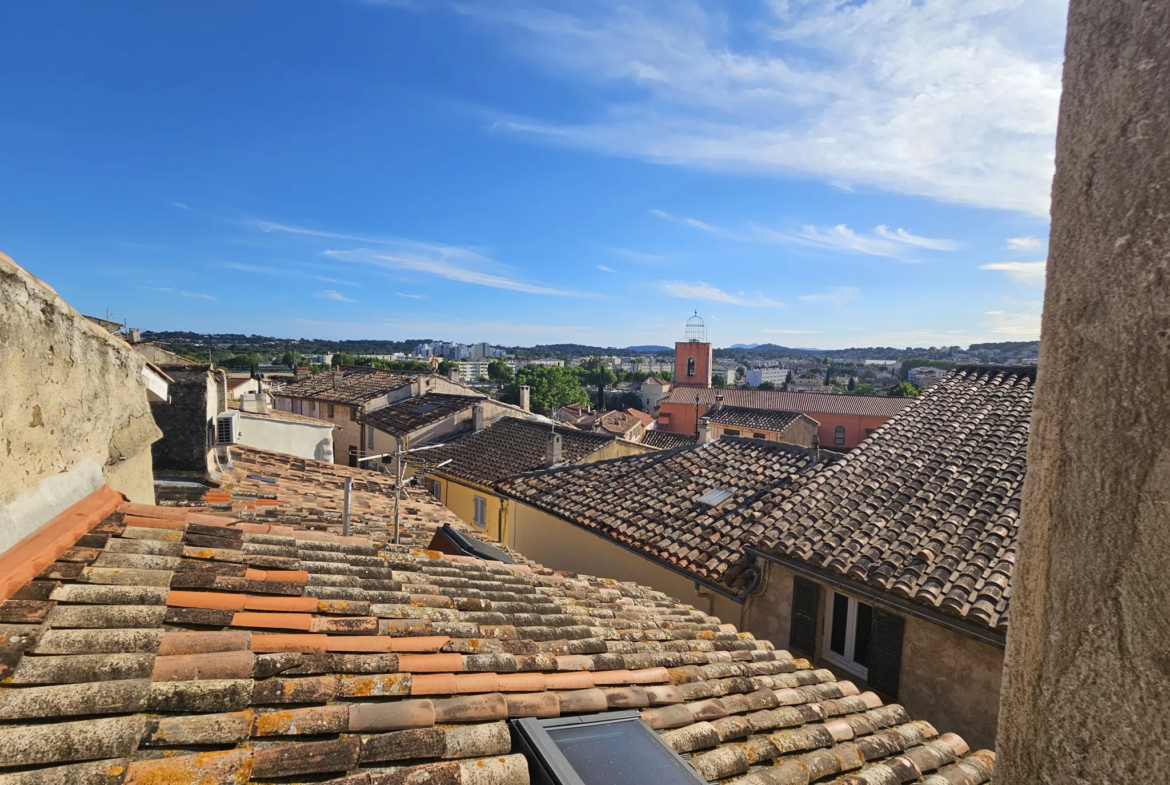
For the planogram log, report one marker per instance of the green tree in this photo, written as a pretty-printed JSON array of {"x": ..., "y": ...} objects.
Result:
[
  {"x": 852, "y": 384},
  {"x": 719, "y": 382},
  {"x": 499, "y": 371},
  {"x": 290, "y": 358},
  {"x": 343, "y": 358},
  {"x": 904, "y": 390},
  {"x": 446, "y": 367},
  {"x": 863, "y": 388},
  {"x": 550, "y": 388},
  {"x": 766, "y": 386},
  {"x": 598, "y": 372}
]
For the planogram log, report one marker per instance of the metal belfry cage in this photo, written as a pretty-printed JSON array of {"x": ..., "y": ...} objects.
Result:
[{"x": 696, "y": 329}]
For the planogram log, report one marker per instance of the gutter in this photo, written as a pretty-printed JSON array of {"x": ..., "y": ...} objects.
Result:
[{"x": 878, "y": 597}]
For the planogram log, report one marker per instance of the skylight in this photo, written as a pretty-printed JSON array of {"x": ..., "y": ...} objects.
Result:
[
  {"x": 715, "y": 497},
  {"x": 613, "y": 748},
  {"x": 427, "y": 407}
]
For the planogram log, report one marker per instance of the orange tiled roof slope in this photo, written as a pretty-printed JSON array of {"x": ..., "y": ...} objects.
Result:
[
  {"x": 174, "y": 646},
  {"x": 359, "y": 384},
  {"x": 927, "y": 507},
  {"x": 650, "y": 502},
  {"x": 824, "y": 403}
]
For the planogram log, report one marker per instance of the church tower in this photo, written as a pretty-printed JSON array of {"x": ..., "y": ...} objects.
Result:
[{"x": 693, "y": 356}]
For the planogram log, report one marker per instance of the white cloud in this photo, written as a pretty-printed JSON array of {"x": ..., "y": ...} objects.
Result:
[
  {"x": 605, "y": 269},
  {"x": 330, "y": 294},
  {"x": 836, "y": 295},
  {"x": 452, "y": 262},
  {"x": 949, "y": 99},
  {"x": 411, "y": 296},
  {"x": 1031, "y": 273},
  {"x": 180, "y": 292},
  {"x": 790, "y": 332},
  {"x": 1025, "y": 243},
  {"x": 180, "y": 205},
  {"x": 637, "y": 256},
  {"x": 685, "y": 220},
  {"x": 1013, "y": 325},
  {"x": 838, "y": 238},
  {"x": 902, "y": 236},
  {"x": 700, "y": 290}
]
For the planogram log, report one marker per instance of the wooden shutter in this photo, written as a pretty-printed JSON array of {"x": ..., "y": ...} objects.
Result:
[
  {"x": 885, "y": 654},
  {"x": 806, "y": 602}
]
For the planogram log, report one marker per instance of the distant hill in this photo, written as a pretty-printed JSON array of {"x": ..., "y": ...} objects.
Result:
[
  {"x": 648, "y": 349},
  {"x": 743, "y": 346}
]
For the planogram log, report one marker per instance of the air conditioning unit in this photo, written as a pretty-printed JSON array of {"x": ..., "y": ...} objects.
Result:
[{"x": 227, "y": 428}]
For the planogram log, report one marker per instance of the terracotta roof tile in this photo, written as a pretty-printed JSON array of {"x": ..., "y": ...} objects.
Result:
[
  {"x": 406, "y": 416},
  {"x": 665, "y": 440},
  {"x": 777, "y": 400},
  {"x": 359, "y": 385},
  {"x": 745, "y": 417}
]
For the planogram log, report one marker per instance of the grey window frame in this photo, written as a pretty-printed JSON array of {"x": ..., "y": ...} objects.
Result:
[
  {"x": 690, "y": 367},
  {"x": 548, "y": 765},
  {"x": 479, "y": 512},
  {"x": 839, "y": 436}
]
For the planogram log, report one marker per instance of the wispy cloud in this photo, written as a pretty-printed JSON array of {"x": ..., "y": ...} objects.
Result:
[
  {"x": 452, "y": 262},
  {"x": 605, "y": 269},
  {"x": 902, "y": 236},
  {"x": 949, "y": 99},
  {"x": 410, "y": 296},
  {"x": 180, "y": 205},
  {"x": 331, "y": 294},
  {"x": 1025, "y": 243},
  {"x": 685, "y": 220},
  {"x": 180, "y": 292},
  {"x": 772, "y": 331},
  {"x": 837, "y": 295},
  {"x": 1015, "y": 325},
  {"x": 261, "y": 269},
  {"x": 1031, "y": 273},
  {"x": 700, "y": 290}
]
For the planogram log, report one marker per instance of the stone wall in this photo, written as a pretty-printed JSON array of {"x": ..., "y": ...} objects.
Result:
[
  {"x": 1087, "y": 677},
  {"x": 73, "y": 408}
]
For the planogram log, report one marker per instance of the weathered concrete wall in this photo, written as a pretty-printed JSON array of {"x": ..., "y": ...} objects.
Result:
[
  {"x": 951, "y": 681},
  {"x": 618, "y": 448},
  {"x": 73, "y": 408},
  {"x": 303, "y": 440},
  {"x": 186, "y": 445},
  {"x": 1087, "y": 677},
  {"x": 947, "y": 679}
]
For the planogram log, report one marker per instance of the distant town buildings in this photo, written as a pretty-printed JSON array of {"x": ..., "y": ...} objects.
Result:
[
  {"x": 766, "y": 373},
  {"x": 926, "y": 376}
]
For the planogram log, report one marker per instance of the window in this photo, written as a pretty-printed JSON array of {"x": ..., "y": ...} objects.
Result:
[
  {"x": 436, "y": 489},
  {"x": 690, "y": 366},
  {"x": 730, "y": 432},
  {"x": 763, "y": 436},
  {"x": 479, "y": 516},
  {"x": 353, "y": 412},
  {"x": 614, "y": 748},
  {"x": 330, "y": 411},
  {"x": 369, "y": 437},
  {"x": 848, "y": 633},
  {"x": 715, "y": 497},
  {"x": 839, "y": 435}
]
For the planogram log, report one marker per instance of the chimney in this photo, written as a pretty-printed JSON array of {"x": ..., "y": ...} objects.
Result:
[
  {"x": 554, "y": 449},
  {"x": 301, "y": 372},
  {"x": 816, "y": 451},
  {"x": 718, "y": 400},
  {"x": 135, "y": 335},
  {"x": 256, "y": 403},
  {"x": 338, "y": 378},
  {"x": 453, "y": 374},
  {"x": 704, "y": 431},
  {"x": 477, "y": 418},
  {"x": 525, "y": 397}
]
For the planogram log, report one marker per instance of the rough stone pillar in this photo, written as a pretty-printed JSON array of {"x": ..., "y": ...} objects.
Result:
[{"x": 1087, "y": 675}]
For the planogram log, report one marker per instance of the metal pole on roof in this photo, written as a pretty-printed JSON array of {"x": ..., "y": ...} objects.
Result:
[
  {"x": 348, "y": 496},
  {"x": 398, "y": 467}
]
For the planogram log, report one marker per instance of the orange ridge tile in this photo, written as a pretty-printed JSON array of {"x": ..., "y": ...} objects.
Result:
[
  {"x": 273, "y": 621},
  {"x": 153, "y": 523},
  {"x": 278, "y": 603},
  {"x": 430, "y": 663},
  {"x": 205, "y": 599},
  {"x": 276, "y": 642},
  {"x": 151, "y": 511}
]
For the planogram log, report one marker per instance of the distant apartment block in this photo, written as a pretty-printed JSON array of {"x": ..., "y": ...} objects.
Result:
[
  {"x": 774, "y": 374},
  {"x": 925, "y": 377}
]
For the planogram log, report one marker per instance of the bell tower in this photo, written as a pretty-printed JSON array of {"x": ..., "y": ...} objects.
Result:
[{"x": 693, "y": 356}]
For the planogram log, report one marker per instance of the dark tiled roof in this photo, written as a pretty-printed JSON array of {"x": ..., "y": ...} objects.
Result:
[
  {"x": 760, "y": 419},
  {"x": 928, "y": 507},
  {"x": 809, "y": 403},
  {"x": 359, "y": 385},
  {"x": 509, "y": 446},
  {"x": 170, "y": 646},
  {"x": 411, "y": 414},
  {"x": 615, "y": 422},
  {"x": 665, "y": 440},
  {"x": 651, "y": 502}
]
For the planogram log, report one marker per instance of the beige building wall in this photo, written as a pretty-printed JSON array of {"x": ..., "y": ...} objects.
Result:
[
  {"x": 947, "y": 679},
  {"x": 618, "y": 448},
  {"x": 73, "y": 408},
  {"x": 560, "y": 545},
  {"x": 800, "y": 432}
]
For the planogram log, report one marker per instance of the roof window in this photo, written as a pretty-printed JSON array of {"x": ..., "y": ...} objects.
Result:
[
  {"x": 426, "y": 407},
  {"x": 613, "y": 748},
  {"x": 715, "y": 497}
]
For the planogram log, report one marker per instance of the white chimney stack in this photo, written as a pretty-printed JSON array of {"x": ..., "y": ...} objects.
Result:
[
  {"x": 554, "y": 449},
  {"x": 526, "y": 397}
]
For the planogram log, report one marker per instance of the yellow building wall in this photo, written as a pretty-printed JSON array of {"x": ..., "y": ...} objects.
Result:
[
  {"x": 560, "y": 545},
  {"x": 459, "y": 498}
]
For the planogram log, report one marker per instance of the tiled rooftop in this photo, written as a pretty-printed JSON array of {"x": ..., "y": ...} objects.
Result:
[
  {"x": 411, "y": 414},
  {"x": 509, "y": 446},
  {"x": 665, "y": 440},
  {"x": 170, "y": 646},
  {"x": 928, "y": 506},
  {"x": 651, "y": 502},
  {"x": 617, "y": 423},
  {"x": 359, "y": 385},
  {"x": 759, "y": 419},
  {"x": 777, "y": 400}
]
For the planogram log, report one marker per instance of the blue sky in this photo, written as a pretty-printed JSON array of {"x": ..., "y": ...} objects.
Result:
[{"x": 825, "y": 174}]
